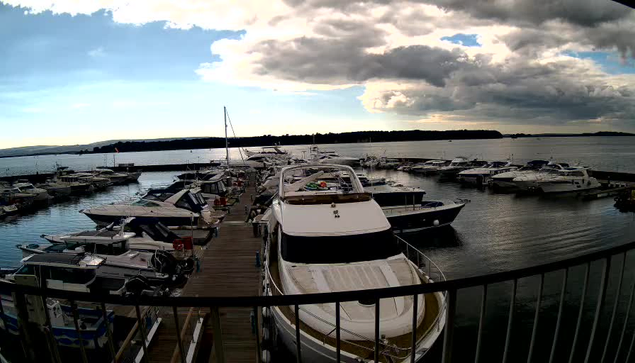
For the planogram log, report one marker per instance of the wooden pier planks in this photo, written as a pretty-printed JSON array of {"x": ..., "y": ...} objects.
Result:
[{"x": 228, "y": 268}]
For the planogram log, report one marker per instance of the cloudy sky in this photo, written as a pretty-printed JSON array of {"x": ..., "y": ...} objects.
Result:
[{"x": 82, "y": 71}]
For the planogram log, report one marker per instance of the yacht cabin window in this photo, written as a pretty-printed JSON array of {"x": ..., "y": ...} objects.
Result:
[{"x": 339, "y": 249}]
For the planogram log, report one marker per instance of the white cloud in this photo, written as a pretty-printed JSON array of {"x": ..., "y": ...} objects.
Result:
[
  {"x": 97, "y": 52},
  {"x": 394, "y": 49}
]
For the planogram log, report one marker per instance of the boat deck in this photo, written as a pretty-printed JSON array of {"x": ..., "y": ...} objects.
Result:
[{"x": 227, "y": 268}]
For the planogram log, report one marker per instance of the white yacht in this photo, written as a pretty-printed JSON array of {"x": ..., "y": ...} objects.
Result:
[
  {"x": 430, "y": 167},
  {"x": 505, "y": 181},
  {"x": 180, "y": 209},
  {"x": 456, "y": 166},
  {"x": 481, "y": 176},
  {"x": 115, "y": 178},
  {"x": 268, "y": 151},
  {"x": 567, "y": 180},
  {"x": 39, "y": 194},
  {"x": 332, "y": 237},
  {"x": 529, "y": 182},
  {"x": 330, "y": 157}
]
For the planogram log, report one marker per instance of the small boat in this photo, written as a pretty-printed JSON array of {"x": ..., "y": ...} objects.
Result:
[
  {"x": 567, "y": 180},
  {"x": 482, "y": 176},
  {"x": 332, "y": 237},
  {"x": 428, "y": 214},
  {"x": 268, "y": 151}
]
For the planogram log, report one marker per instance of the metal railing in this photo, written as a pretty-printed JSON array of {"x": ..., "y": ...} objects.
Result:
[{"x": 595, "y": 348}]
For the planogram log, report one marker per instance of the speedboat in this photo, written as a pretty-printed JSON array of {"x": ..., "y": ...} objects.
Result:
[
  {"x": 529, "y": 182},
  {"x": 39, "y": 194},
  {"x": 183, "y": 208},
  {"x": 456, "y": 166},
  {"x": 330, "y": 157},
  {"x": 139, "y": 234},
  {"x": 115, "y": 178},
  {"x": 331, "y": 237},
  {"x": 428, "y": 214},
  {"x": 505, "y": 181},
  {"x": 481, "y": 176},
  {"x": 567, "y": 180},
  {"x": 430, "y": 167},
  {"x": 268, "y": 151}
]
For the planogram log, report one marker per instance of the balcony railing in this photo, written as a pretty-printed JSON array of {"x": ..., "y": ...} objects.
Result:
[{"x": 595, "y": 348}]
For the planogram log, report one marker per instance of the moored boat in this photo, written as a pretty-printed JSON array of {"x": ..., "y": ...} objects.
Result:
[{"x": 330, "y": 237}]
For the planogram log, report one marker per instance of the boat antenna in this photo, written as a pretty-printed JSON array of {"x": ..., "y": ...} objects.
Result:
[{"x": 226, "y": 140}]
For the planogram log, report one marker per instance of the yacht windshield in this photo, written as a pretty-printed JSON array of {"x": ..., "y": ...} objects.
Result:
[{"x": 339, "y": 249}]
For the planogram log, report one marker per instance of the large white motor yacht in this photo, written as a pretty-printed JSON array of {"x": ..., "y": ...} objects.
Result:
[
  {"x": 568, "y": 180},
  {"x": 328, "y": 236},
  {"x": 505, "y": 180},
  {"x": 331, "y": 157},
  {"x": 529, "y": 181}
]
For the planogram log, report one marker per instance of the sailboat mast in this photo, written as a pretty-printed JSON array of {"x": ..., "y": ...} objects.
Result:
[{"x": 226, "y": 140}]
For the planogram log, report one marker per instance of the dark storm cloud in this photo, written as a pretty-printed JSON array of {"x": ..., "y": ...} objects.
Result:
[
  {"x": 342, "y": 61},
  {"x": 587, "y": 13},
  {"x": 555, "y": 93}
]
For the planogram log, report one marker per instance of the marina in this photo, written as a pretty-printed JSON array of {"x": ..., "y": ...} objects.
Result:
[{"x": 229, "y": 262}]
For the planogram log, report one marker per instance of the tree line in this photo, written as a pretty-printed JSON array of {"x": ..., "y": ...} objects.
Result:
[{"x": 329, "y": 138}]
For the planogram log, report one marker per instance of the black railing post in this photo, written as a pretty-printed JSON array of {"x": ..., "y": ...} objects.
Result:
[
  {"x": 510, "y": 321},
  {"x": 449, "y": 326},
  {"x": 615, "y": 306},
  {"x": 48, "y": 331},
  {"x": 559, "y": 318},
  {"x": 338, "y": 337},
  {"x": 415, "y": 320},
  {"x": 600, "y": 305},
  {"x": 534, "y": 330},
  {"x": 179, "y": 341},
  {"x": 142, "y": 330},
  {"x": 82, "y": 349},
  {"x": 298, "y": 343},
  {"x": 481, "y": 323},
  {"x": 257, "y": 323},
  {"x": 628, "y": 314},
  {"x": 111, "y": 344},
  {"x": 19, "y": 301},
  {"x": 377, "y": 318},
  {"x": 580, "y": 311},
  {"x": 218, "y": 335}
]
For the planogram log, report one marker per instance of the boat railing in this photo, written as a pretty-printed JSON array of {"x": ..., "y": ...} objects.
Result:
[{"x": 600, "y": 329}]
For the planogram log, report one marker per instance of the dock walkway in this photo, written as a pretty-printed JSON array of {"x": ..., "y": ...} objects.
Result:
[{"x": 228, "y": 268}]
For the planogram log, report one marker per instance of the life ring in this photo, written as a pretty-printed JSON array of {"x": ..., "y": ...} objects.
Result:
[{"x": 322, "y": 184}]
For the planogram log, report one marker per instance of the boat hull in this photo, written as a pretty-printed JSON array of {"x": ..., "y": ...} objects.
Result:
[
  {"x": 404, "y": 219},
  {"x": 388, "y": 199},
  {"x": 568, "y": 187},
  {"x": 103, "y": 220}
]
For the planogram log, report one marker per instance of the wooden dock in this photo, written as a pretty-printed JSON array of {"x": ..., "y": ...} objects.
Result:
[{"x": 228, "y": 268}]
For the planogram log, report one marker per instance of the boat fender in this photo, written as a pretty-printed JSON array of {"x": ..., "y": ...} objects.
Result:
[
  {"x": 266, "y": 356},
  {"x": 265, "y": 334},
  {"x": 436, "y": 222}
]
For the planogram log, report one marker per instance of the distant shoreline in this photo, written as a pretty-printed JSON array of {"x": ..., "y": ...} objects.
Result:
[{"x": 291, "y": 140}]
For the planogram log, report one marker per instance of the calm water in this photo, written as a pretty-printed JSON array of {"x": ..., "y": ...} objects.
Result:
[
  {"x": 602, "y": 153},
  {"x": 495, "y": 232}
]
